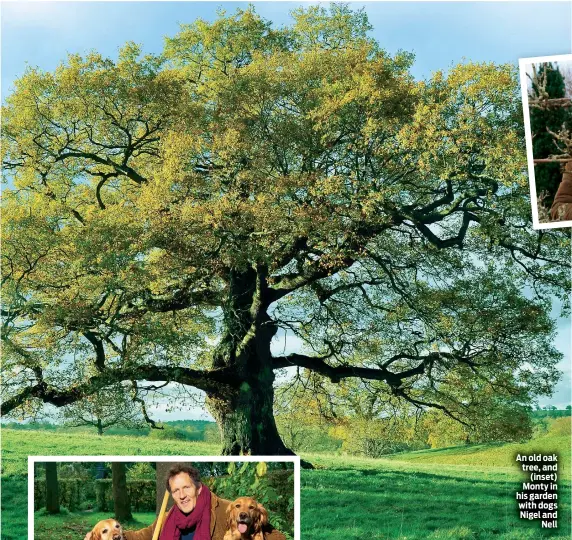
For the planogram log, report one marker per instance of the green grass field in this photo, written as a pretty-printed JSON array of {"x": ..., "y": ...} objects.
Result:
[{"x": 453, "y": 493}]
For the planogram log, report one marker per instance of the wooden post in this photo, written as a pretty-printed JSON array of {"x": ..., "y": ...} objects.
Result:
[{"x": 161, "y": 515}]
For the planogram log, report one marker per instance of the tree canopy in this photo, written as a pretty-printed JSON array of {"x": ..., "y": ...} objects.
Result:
[{"x": 167, "y": 215}]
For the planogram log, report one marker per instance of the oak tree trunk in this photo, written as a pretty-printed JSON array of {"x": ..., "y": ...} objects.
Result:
[
  {"x": 246, "y": 420},
  {"x": 244, "y": 410}
]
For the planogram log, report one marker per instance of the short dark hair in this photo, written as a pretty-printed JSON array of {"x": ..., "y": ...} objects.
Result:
[{"x": 179, "y": 468}]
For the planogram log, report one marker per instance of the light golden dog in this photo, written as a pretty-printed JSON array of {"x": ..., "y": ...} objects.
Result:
[
  {"x": 108, "y": 529},
  {"x": 245, "y": 520}
]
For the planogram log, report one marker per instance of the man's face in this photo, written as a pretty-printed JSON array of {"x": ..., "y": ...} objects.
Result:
[{"x": 184, "y": 492}]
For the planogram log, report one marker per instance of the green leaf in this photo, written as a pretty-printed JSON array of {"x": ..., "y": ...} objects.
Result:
[{"x": 261, "y": 469}]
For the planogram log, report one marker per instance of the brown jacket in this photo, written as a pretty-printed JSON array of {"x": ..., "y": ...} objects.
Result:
[
  {"x": 218, "y": 524},
  {"x": 561, "y": 209}
]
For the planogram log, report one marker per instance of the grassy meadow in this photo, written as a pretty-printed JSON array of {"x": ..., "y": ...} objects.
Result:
[{"x": 451, "y": 493}]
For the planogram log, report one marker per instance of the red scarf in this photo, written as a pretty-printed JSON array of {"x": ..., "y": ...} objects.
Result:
[{"x": 200, "y": 517}]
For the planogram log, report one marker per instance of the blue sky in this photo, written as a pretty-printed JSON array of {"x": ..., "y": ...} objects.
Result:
[{"x": 441, "y": 34}]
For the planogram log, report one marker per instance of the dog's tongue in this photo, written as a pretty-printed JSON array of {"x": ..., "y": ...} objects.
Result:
[{"x": 242, "y": 528}]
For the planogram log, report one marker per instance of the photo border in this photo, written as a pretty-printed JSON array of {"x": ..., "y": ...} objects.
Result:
[
  {"x": 166, "y": 459},
  {"x": 522, "y": 64}
]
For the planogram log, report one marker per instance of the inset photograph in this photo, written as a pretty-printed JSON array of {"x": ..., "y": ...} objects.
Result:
[
  {"x": 130, "y": 498},
  {"x": 547, "y": 101}
]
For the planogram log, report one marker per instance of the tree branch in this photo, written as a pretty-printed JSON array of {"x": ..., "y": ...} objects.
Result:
[
  {"x": 137, "y": 399},
  {"x": 123, "y": 169},
  {"x": 99, "y": 349},
  {"x": 208, "y": 380},
  {"x": 337, "y": 373}
]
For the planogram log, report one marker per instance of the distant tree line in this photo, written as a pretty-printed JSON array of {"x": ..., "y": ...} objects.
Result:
[
  {"x": 183, "y": 430},
  {"x": 550, "y": 411},
  {"x": 370, "y": 426},
  {"x": 306, "y": 428}
]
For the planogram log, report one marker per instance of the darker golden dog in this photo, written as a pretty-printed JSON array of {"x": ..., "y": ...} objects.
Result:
[
  {"x": 108, "y": 529},
  {"x": 246, "y": 520}
]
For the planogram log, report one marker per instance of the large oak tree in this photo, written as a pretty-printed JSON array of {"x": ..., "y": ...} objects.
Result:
[{"x": 168, "y": 216}]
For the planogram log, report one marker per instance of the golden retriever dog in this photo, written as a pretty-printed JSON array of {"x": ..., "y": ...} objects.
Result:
[
  {"x": 245, "y": 520},
  {"x": 108, "y": 529}
]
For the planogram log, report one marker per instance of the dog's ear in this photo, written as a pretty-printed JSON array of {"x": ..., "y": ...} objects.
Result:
[
  {"x": 96, "y": 533},
  {"x": 263, "y": 516},
  {"x": 229, "y": 516}
]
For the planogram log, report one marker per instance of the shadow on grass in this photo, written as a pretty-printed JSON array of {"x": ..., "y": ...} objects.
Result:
[
  {"x": 386, "y": 504},
  {"x": 421, "y": 476}
]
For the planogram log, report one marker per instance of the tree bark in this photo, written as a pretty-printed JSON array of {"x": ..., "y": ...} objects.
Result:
[
  {"x": 121, "y": 502},
  {"x": 99, "y": 427},
  {"x": 246, "y": 419},
  {"x": 52, "y": 489}
]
